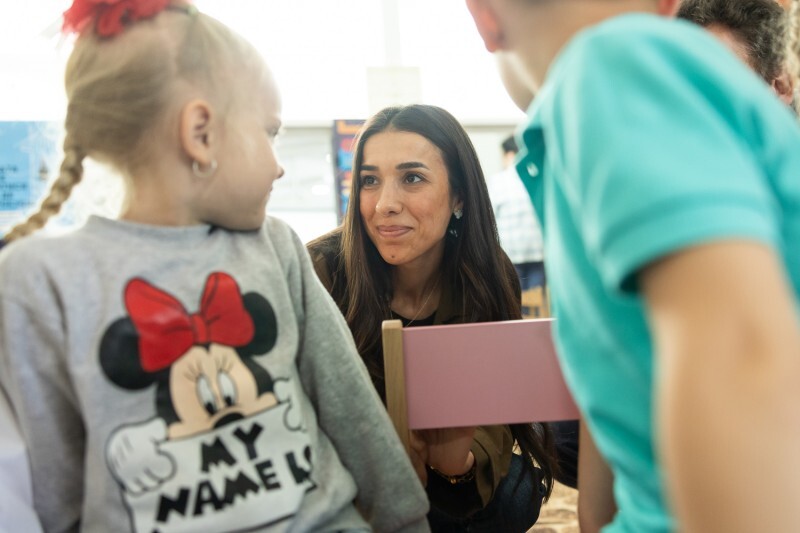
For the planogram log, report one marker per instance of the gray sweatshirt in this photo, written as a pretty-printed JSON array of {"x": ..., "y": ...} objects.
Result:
[{"x": 193, "y": 379}]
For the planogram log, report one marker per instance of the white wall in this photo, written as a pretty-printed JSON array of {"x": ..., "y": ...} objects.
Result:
[{"x": 321, "y": 52}]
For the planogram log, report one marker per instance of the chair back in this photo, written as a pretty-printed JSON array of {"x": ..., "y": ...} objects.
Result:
[{"x": 472, "y": 375}]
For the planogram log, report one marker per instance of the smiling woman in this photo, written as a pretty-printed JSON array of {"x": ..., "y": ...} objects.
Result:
[
  {"x": 406, "y": 204},
  {"x": 419, "y": 243}
]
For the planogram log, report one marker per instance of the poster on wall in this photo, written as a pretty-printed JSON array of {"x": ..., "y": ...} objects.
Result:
[
  {"x": 344, "y": 133},
  {"x": 29, "y": 156}
]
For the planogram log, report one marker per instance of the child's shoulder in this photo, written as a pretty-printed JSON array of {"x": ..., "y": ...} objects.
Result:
[
  {"x": 27, "y": 264},
  {"x": 277, "y": 228},
  {"x": 637, "y": 38},
  {"x": 282, "y": 236},
  {"x": 31, "y": 250},
  {"x": 647, "y": 52},
  {"x": 642, "y": 28}
]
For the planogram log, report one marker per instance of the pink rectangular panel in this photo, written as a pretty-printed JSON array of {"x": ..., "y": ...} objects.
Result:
[{"x": 484, "y": 374}]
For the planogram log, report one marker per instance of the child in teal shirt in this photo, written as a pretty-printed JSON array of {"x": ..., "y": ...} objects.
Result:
[{"x": 666, "y": 175}]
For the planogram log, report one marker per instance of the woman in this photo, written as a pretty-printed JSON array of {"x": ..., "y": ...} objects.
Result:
[{"x": 419, "y": 244}]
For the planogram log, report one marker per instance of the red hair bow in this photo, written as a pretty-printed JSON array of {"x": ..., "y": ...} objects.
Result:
[
  {"x": 167, "y": 331},
  {"x": 110, "y": 16}
]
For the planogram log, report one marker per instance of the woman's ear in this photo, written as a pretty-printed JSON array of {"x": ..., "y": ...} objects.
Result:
[
  {"x": 459, "y": 204},
  {"x": 197, "y": 120}
]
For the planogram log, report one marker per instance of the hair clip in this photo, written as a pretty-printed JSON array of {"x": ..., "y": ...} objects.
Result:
[
  {"x": 110, "y": 17},
  {"x": 187, "y": 9}
]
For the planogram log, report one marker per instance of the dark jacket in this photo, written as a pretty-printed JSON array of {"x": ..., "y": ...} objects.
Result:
[{"x": 492, "y": 445}]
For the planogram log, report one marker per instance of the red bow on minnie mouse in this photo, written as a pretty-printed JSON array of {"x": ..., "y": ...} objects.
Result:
[{"x": 167, "y": 331}]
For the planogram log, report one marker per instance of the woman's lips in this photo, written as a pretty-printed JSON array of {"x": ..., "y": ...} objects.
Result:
[{"x": 390, "y": 232}]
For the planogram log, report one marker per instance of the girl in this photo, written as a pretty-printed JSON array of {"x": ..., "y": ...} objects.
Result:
[{"x": 182, "y": 368}]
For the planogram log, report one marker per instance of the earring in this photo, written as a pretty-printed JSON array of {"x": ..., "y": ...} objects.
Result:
[
  {"x": 458, "y": 213},
  {"x": 204, "y": 173}
]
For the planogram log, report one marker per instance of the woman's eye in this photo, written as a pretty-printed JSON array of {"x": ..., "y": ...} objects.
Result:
[
  {"x": 206, "y": 395},
  {"x": 413, "y": 178},
  {"x": 227, "y": 388},
  {"x": 368, "y": 180}
]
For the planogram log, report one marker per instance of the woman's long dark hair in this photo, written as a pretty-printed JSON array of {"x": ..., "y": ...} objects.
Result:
[{"x": 473, "y": 261}]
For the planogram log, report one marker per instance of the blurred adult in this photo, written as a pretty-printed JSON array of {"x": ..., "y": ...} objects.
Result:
[{"x": 755, "y": 30}]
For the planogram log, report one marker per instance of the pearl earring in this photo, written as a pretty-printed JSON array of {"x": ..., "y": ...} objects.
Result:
[
  {"x": 458, "y": 213},
  {"x": 204, "y": 173}
]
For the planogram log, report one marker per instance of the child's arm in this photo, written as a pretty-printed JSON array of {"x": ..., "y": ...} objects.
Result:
[
  {"x": 728, "y": 352},
  {"x": 16, "y": 500},
  {"x": 37, "y": 383},
  {"x": 351, "y": 414},
  {"x": 596, "y": 505}
]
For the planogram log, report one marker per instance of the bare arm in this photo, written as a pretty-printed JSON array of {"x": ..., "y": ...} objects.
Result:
[
  {"x": 727, "y": 344},
  {"x": 596, "y": 505}
]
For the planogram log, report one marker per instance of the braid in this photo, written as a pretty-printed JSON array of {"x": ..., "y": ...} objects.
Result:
[{"x": 70, "y": 174}]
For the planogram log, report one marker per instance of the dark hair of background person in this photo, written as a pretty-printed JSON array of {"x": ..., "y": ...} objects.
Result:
[
  {"x": 509, "y": 145},
  {"x": 793, "y": 59},
  {"x": 472, "y": 261},
  {"x": 760, "y": 25}
]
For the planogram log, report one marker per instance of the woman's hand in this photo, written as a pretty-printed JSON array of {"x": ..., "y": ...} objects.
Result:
[
  {"x": 447, "y": 450},
  {"x": 419, "y": 454}
]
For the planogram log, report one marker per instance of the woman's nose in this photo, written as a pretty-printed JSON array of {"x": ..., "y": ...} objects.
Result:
[{"x": 388, "y": 201}]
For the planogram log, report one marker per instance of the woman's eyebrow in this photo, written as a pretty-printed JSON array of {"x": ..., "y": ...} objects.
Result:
[
  {"x": 401, "y": 166},
  {"x": 411, "y": 164}
]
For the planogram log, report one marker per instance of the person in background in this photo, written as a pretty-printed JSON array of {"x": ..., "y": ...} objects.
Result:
[
  {"x": 793, "y": 7},
  {"x": 521, "y": 238},
  {"x": 182, "y": 368},
  {"x": 419, "y": 244},
  {"x": 755, "y": 30},
  {"x": 517, "y": 225},
  {"x": 666, "y": 179}
]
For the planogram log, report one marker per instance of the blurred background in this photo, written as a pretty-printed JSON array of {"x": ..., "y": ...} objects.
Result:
[{"x": 336, "y": 63}]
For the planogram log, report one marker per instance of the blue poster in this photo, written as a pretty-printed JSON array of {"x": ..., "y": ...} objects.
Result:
[
  {"x": 344, "y": 134},
  {"x": 29, "y": 157}
]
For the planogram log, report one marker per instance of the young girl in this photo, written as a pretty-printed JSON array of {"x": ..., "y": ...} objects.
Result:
[{"x": 182, "y": 369}]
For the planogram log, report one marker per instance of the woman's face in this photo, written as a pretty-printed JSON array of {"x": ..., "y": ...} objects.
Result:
[{"x": 405, "y": 198}]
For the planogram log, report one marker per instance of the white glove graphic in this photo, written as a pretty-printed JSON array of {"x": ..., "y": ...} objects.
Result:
[
  {"x": 283, "y": 391},
  {"x": 134, "y": 457}
]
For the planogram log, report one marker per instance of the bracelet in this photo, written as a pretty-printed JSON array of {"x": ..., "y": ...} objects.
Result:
[{"x": 466, "y": 477}]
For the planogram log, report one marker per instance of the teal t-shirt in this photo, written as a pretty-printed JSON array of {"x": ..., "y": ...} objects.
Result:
[{"x": 647, "y": 137}]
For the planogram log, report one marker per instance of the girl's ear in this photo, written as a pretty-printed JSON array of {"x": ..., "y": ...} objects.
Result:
[
  {"x": 488, "y": 24},
  {"x": 197, "y": 120}
]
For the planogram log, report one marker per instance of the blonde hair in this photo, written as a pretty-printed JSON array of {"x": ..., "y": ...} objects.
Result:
[{"x": 120, "y": 90}]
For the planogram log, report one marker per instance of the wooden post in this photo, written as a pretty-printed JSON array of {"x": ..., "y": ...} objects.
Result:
[{"x": 394, "y": 372}]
